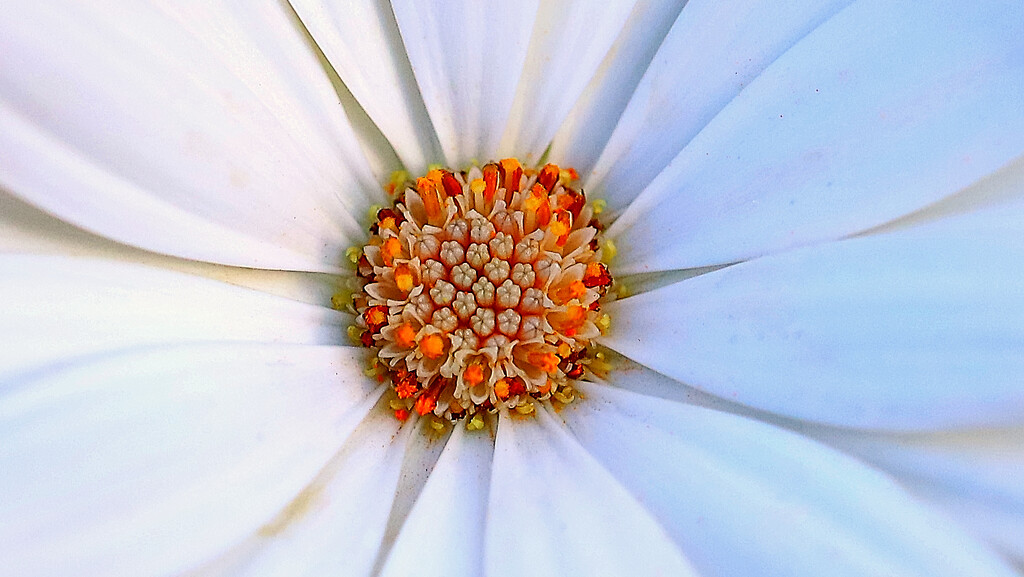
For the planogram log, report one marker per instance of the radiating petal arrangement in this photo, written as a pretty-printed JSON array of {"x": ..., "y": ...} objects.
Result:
[{"x": 816, "y": 214}]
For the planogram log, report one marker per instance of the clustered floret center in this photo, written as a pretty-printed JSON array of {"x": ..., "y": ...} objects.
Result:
[{"x": 482, "y": 289}]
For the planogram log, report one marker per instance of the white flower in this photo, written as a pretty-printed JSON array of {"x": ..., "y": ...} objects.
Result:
[{"x": 157, "y": 421}]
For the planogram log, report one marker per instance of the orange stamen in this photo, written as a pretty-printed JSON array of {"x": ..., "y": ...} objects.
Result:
[
  {"x": 501, "y": 388},
  {"x": 405, "y": 277},
  {"x": 431, "y": 199},
  {"x": 405, "y": 336},
  {"x": 490, "y": 181},
  {"x": 402, "y": 415},
  {"x": 537, "y": 207},
  {"x": 376, "y": 317},
  {"x": 432, "y": 346},
  {"x": 451, "y": 184},
  {"x": 548, "y": 176},
  {"x": 511, "y": 174},
  {"x": 561, "y": 226},
  {"x": 597, "y": 275},
  {"x": 574, "y": 290},
  {"x": 547, "y": 362},
  {"x": 390, "y": 250},
  {"x": 473, "y": 375},
  {"x": 428, "y": 400}
]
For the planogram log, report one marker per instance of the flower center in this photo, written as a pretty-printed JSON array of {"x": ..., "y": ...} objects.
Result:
[{"x": 482, "y": 290}]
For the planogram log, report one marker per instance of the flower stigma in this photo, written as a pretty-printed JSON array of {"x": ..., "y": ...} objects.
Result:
[{"x": 481, "y": 289}]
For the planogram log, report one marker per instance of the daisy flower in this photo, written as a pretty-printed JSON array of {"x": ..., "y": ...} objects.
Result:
[{"x": 790, "y": 342}]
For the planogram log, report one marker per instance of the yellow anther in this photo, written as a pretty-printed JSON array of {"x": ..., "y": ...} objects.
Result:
[
  {"x": 354, "y": 333},
  {"x": 437, "y": 424},
  {"x": 525, "y": 408},
  {"x": 397, "y": 404},
  {"x": 604, "y": 322},
  {"x": 567, "y": 176},
  {"x": 394, "y": 184},
  {"x": 340, "y": 300},
  {"x": 476, "y": 423},
  {"x": 353, "y": 253},
  {"x": 477, "y": 185},
  {"x": 599, "y": 206},
  {"x": 608, "y": 251}
]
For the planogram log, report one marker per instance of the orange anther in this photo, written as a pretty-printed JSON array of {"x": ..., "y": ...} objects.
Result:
[
  {"x": 501, "y": 388},
  {"x": 572, "y": 201},
  {"x": 451, "y": 184},
  {"x": 564, "y": 294},
  {"x": 405, "y": 336},
  {"x": 431, "y": 200},
  {"x": 548, "y": 176},
  {"x": 432, "y": 346},
  {"x": 390, "y": 250},
  {"x": 571, "y": 320},
  {"x": 597, "y": 275},
  {"x": 376, "y": 317},
  {"x": 547, "y": 362},
  {"x": 545, "y": 388},
  {"x": 473, "y": 375},
  {"x": 561, "y": 226},
  {"x": 536, "y": 203},
  {"x": 428, "y": 399},
  {"x": 405, "y": 277},
  {"x": 490, "y": 181},
  {"x": 511, "y": 174},
  {"x": 402, "y": 415}
]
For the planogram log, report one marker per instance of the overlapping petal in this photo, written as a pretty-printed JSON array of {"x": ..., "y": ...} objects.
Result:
[
  {"x": 205, "y": 130},
  {"x": 971, "y": 475},
  {"x": 443, "y": 533},
  {"x": 879, "y": 111},
  {"x": 599, "y": 528},
  {"x": 745, "y": 498},
  {"x": 585, "y": 131},
  {"x": 56, "y": 310},
  {"x": 713, "y": 51},
  {"x": 467, "y": 57},
  {"x": 152, "y": 461},
  {"x": 364, "y": 45},
  {"x": 918, "y": 328},
  {"x": 568, "y": 42}
]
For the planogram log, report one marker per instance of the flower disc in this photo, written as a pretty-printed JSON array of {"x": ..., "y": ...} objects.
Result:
[{"x": 482, "y": 289}]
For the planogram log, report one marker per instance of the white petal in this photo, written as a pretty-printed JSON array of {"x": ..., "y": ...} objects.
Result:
[
  {"x": 569, "y": 41},
  {"x": 713, "y": 51},
  {"x": 744, "y": 498},
  {"x": 24, "y": 229},
  {"x": 974, "y": 475},
  {"x": 922, "y": 327},
  {"x": 881, "y": 110},
  {"x": 444, "y": 532},
  {"x": 336, "y": 525},
  {"x": 555, "y": 511},
  {"x": 206, "y": 130},
  {"x": 468, "y": 57},
  {"x": 585, "y": 132},
  {"x": 364, "y": 45},
  {"x": 55, "y": 309},
  {"x": 149, "y": 463}
]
